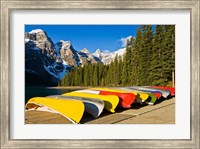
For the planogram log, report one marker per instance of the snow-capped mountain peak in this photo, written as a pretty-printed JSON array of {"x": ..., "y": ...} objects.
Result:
[
  {"x": 107, "y": 57},
  {"x": 66, "y": 44},
  {"x": 119, "y": 52},
  {"x": 62, "y": 41},
  {"x": 50, "y": 61},
  {"x": 35, "y": 31},
  {"x": 97, "y": 53},
  {"x": 84, "y": 50}
]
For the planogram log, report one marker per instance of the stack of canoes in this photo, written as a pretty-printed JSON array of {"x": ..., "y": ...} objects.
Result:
[{"x": 72, "y": 105}]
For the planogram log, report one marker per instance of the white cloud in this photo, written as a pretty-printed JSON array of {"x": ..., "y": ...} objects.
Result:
[{"x": 124, "y": 40}]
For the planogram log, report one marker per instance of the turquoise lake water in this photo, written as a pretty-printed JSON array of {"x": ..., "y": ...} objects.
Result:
[{"x": 44, "y": 91}]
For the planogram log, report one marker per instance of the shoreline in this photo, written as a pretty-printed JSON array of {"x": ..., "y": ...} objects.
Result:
[
  {"x": 68, "y": 87},
  {"x": 76, "y": 87}
]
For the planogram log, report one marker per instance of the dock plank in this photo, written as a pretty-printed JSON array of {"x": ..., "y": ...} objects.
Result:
[
  {"x": 43, "y": 117},
  {"x": 164, "y": 115},
  {"x": 110, "y": 119},
  {"x": 139, "y": 110},
  {"x": 37, "y": 114}
]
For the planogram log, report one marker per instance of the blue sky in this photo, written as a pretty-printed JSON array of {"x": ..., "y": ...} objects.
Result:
[{"x": 92, "y": 37}]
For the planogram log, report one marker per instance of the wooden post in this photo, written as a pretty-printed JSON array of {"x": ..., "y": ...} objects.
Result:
[{"x": 173, "y": 79}]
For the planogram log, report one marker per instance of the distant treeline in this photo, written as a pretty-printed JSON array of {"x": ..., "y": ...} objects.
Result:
[{"x": 149, "y": 60}]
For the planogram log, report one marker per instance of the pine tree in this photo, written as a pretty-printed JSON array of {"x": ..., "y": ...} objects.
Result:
[
  {"x": 120, "y": 65},
  {"x": 156, "y": 69},
  {"x": 145, "y": 54},
  {"x": 116, "y": 71},
  {"x": 137, "y": 49},
  {"x": 111, "y": 74},
  {"x": 169, "y": 53},
  {"x": 101, "y": 74},
  {"x": 148, "y": 44},
  {"x": 131, "y": 61},
  {"x": 91, "y": 74},
  {"x": 95, "y": 75},
  {"x": 124, "y": 71},
  {"x": 128, "y": 62},
  {"x": 105, "y": 72},
  {"x": 86, "y": 75}
]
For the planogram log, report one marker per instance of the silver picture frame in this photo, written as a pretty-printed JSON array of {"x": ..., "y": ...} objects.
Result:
[{"x": 7, "y": 6}]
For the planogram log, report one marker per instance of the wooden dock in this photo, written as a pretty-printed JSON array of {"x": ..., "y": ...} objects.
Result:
[
  {"x": 42, "y": 117},
  {"x": 160, "y": 113}
]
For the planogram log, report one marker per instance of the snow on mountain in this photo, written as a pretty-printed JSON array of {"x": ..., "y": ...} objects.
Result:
[
  {"x": 84, "y": 50},
  {"x": 27, "y": 40},
  {"x": 51, "y": 61},
  {"x": 107, "y": 57},
  {"x": 43, "y": 59},
  {"x": 98, "y": 53},
  {"x": 35, "y": 31},
  {"x": 67, "y": 53},
  {"x": 119, "y": 52},
  {"x": 86, "y": 57},
  {"x": 57, "y": 72}
]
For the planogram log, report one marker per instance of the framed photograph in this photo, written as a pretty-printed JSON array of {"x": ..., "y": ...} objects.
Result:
[{"x": 108, "y": 60}]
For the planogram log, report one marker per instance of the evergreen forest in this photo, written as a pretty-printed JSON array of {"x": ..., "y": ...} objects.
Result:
[{"x": 149, "y": 60}]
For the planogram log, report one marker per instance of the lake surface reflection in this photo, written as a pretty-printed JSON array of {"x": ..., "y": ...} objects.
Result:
[{"x": 45, "y": 91}]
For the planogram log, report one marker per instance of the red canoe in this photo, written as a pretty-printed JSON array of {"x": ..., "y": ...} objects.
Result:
[
  {"x": 171, "y": 89},
  {"x": 157, "y": 94},
  {"x": 126, "y": 99}
]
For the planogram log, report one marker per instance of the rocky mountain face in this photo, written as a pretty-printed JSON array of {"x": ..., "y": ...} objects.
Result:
[
  {"x": 42, "y": 63},
  {"x": 87, "y": 57},
  {"x": 46, "y": 63},
  {"x": 67, "y": 53},
  {"x": 72, "y": 57}
]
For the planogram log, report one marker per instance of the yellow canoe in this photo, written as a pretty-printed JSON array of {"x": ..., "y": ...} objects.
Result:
[
  {"x": 110, "y": 101},
  {"x": 71, "y": 109},
  {"x": 139, "y": 95}
]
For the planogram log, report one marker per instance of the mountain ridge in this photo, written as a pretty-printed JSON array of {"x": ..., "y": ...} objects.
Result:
[{"x": 47, "y": 59}]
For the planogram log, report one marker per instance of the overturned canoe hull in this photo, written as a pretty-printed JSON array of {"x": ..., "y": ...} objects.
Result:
[
  {"x": 110, "y": 102},
  {"x": 93, "y": 106},
  {"x": 126, "y": 99},
  {"x": 165, "y": 93},
  {"x": 171, "y": 89},
  {"x": 140, "y": 96},
  {"x": 158, "y": 94},
  {"x": 151, "y": 97},
  {"x": 71, "y": 109}
]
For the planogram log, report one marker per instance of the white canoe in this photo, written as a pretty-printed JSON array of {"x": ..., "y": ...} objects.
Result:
[{"x": 164, "y": 93}]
